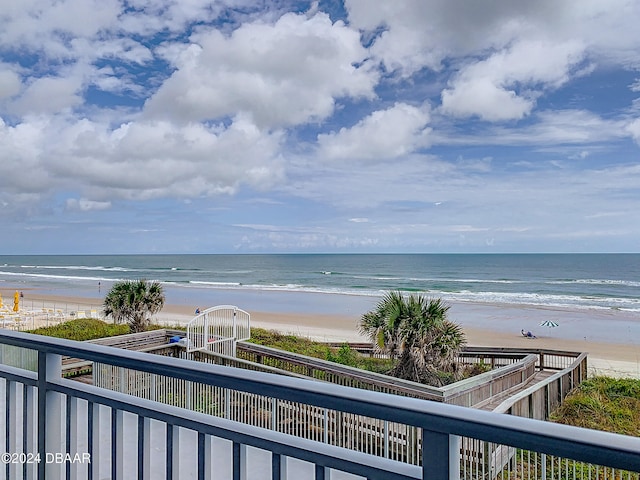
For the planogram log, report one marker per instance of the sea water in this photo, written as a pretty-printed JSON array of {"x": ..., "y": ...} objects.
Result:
[
  {"x": 576, "y": 281},
  {"x": 591, "y": 296}
]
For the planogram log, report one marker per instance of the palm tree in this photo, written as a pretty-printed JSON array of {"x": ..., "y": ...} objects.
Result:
[
  {"x": 415, "y": 331},
  {"x": 134, "y": 301}
]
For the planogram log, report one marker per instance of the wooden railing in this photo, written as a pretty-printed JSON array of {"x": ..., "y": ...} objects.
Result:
[
  {"x": 539, "y": 400},
  {"x": 509, "y": 367},
  {"x": 334, "y": 373},
  {"x": 547, "y": 359},
  {"x": 492, "y": 356},
  {"x": 154, "y": 341},
  {"x": 517, "y": 368}
]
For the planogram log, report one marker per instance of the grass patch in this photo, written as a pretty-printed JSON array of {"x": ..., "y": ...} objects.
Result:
[
  {"x": 82, "y": 329},
  {"x": 603, "y": 403},
  {"x": 289, "y": 343},
  {"x": 344, "y": 354}
]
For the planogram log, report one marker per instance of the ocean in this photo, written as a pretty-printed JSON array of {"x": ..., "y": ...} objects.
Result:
[{"x": 573, "y": 281}]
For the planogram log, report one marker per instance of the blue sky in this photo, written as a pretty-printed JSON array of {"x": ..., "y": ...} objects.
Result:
[{"x": 191, "y": 126}]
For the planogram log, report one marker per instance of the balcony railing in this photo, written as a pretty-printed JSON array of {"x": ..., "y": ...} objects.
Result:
[{"x": 82, "y": 431}]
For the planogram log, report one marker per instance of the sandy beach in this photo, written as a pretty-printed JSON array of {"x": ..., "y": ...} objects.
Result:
[{"x": 610, "y": 338}]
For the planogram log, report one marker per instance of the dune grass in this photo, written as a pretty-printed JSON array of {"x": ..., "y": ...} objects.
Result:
[
  {"x": 304, "y": 346},
  {"x": 603, "y": 403},
  {"x": 289, "y": 343},
  {"x": 82, "y": 329}
]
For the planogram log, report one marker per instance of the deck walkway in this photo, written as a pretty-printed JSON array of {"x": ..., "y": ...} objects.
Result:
[
  {"x": 489, "y": 405},
  {"x": 156, "y": 341},
  {"x": 496, "y": 400}
]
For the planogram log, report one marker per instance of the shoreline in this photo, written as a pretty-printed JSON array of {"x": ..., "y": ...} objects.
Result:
[{"x": 612, "y": 351}]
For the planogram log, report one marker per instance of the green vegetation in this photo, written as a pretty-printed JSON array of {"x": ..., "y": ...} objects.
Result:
[
  {"x": 134, "y": 302},
  {"x": 415, "y": 332},
  {"x": 344, "y": 355},
  {"x": 603, "y": 403},
  {"x": 599, "y": 403},
  {"x": 289, "y": 343},
  {"x": 82, "y": 329}
]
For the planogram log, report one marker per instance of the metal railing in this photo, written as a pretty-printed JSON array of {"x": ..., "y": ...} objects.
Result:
[
  {"x": 129, "y": 436},
  {"x": 399, "y": 442},
  {"x": 218, "y": 329},
  {"x": 388, "y": 439}
]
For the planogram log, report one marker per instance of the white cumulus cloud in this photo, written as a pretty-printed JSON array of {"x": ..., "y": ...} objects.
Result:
[
  {"x": 488, "y": 88},
  {"x": 384, "y": 134},
  {"x": 281, "y": 74}
]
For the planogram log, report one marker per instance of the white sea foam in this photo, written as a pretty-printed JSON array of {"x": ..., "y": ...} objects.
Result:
[
  {"x": 215, "y": 284},
  {"x": 594, "y": 281},
  {"x": 81, "y": 267},
  {"x": 56, "y": 277}
]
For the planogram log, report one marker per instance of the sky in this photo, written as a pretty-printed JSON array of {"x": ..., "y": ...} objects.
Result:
[{"x": 238, "y": 126}]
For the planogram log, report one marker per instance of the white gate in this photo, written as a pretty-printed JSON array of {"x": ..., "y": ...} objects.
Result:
[{"x": 217, "y": 329}]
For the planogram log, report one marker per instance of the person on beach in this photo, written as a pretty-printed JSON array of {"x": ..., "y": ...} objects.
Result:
[
  {"x": 527, "y": 334},
  {"x": 197, "y": 310}
]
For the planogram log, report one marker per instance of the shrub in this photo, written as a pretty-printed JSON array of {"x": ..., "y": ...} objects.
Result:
[
  {"x": 603, "y": 403},
  {"x": 289, "y": 343},
  {"x": 345, "y": 356},
  {"x": 82, "y": 329}
]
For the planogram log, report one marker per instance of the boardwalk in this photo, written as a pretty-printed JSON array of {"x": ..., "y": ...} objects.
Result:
[
  {"x": 496, "y": 400},
  {"x": 514, "y": 377}
]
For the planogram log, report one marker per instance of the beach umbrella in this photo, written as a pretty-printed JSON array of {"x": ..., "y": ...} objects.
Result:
[
  {"x": 549, "y": 323},
  {"x": 0, "y": 300},
  {"x": 16, "y": 301}
]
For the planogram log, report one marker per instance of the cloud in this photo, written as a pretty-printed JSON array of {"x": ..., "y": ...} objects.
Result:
[
  {"x": 51, "y": 27},
  {"x": 423, "y": 33},
  {"x": 21, "y": 150},
  {"x": 557, "y": 128},
  {"x": 10, "y": 83},
  {"x": 488, "y": 88},
  {"x": 137, "y": 160},
  {"x": 187, "y": 161},
  {"x": 384, "y": 134},
  {"x": 506, "y": 53},
  {"x": 49, "y": 95},
  {"x": 85, "y": 205},
  {"x": 311, "y": 241},
  {"x": 633, "y": 129},
  {"x": 414, "y": 125},
  {"x": 281, "y": 74},
  {"x": 420, "y": 34}
]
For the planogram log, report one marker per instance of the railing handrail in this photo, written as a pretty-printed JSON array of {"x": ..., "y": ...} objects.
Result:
[
  {"x": 512, "y": 400},
  {"x": 228, "y": 361},
  {"x": 276, "y": 442},
  {"x": 460, "y": 386},
  {"x": 617, "y": 451},
  {"x": 469, "y": 351},
  {"x": 541, "y": 352},
  {"x": 406, "y": 386},
  {"x": 442, "y": 394}
]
